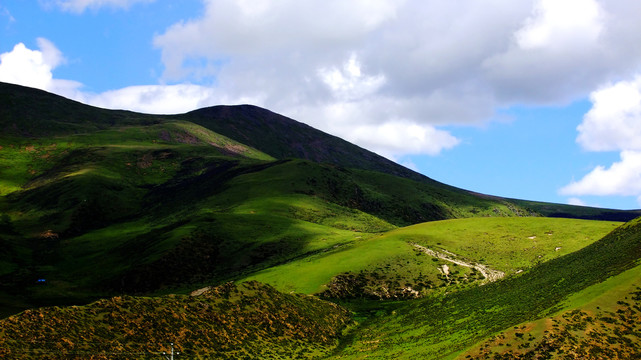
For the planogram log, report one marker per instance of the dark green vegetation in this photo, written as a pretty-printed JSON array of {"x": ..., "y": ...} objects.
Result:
[
  {"x": 606, "y": 325},
  {"x": 249, "y": 320},
  {"x": 97, "y": 203}
]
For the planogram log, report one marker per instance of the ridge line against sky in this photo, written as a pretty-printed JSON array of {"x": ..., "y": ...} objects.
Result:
[{"x": 534, "y": 99}]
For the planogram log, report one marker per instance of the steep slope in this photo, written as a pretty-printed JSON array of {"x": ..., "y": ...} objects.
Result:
[
  {"x": 251, "y": 321},
  {"x": 283, "y": 138},
  {"x": 28, "y": 112},
  {"x": 434, "y": 257},
  {"x": 444, "y": 326},
  {"x": 602, "y": 321}
]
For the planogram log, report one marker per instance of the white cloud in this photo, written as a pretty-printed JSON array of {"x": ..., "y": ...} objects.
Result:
[
  {"x": 614, "y": 122},
  {"x": 33, "y": 68},
  {"x": 621, "y": 178},
  {"x": 396, "y": 138},
  {"x": 366, "y": 64},
  {"x": 25, "y": 67},
  {"x": 163, "y": 99},
  {"x": 563, "y": 50},
  {"x": 349, "y": 83},
  {"x": 79, "y": 6},
  {"x": 576, "y": 201},
  {"x": 154, "y": 99},
  {"x": 312, "y": 31},
  {"x": 561, "y": 23}
]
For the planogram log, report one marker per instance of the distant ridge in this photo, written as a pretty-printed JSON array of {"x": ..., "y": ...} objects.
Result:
[
  {"x": 283, "y": 137},
  {"x": 29, "y": 112},
  {"x": 33, "y": 113}
]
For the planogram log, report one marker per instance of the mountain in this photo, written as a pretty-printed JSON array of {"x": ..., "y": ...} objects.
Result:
[
  {"x": 284, "y": 138},
  {"x": 143, "y": 209}
]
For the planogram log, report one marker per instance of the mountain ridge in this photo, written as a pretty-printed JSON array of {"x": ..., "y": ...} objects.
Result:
[
  {"x": 287, "y": 138},
  {"x": 143, "y": 209}
]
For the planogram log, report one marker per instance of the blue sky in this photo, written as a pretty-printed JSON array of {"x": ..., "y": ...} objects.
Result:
[{"x": 540, "y": 100}]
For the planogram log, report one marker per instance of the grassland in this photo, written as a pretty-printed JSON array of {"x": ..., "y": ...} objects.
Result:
[
  {"x": 123, "y": 209},
  {"x": 143, "y": 209},
  {"x": 389, "y": 260},
  {"x": 445, "y": 325},
  {"x": 601, "y": 321}
]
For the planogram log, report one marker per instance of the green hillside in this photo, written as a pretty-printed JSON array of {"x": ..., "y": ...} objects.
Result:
[
  {"x": 443, "y": 326},
  {"x": 246, "y": 321},
  {"x": 98, "y": 203},
  {"x": 601, "y": 321},
  {"x": 144, "y": 209},
  {"x": 392, "y": 265}
]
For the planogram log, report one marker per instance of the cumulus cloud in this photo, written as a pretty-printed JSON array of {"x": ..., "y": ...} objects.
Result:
[
  {"x": 79, "y": 6},
  {"x": 366, "y": 64},
  {"x": 612, "y": 124},
  {"x": 154, "y": 99},
  {"x": 396, "y": 138},
  {"x": 621, "y": 178},
  {"x": 365, "y": 69},
  {"x": 561, "y": 23},
  {"x": 614, "y": 121},
  {"x": 349, "y": 83},
  {"x": 33, "y": 68}
]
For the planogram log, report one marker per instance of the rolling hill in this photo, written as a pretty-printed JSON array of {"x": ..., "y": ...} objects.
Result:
[{"x": 143, "y": 209}]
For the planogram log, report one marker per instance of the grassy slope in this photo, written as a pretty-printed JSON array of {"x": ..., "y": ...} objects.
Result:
[
  {"x": 384, "y": 336},
  {"x": 388, "y": 260},
  {"x": 443, "y": 326},
  {"x": 150, "y": 204},
  {"x": 250, "y": 320},
  {"x": 140, "y": 208},
  {"x": 92, "y": 190},
  {"x": 601, "y": 321},
  {"x": 282, "y": 137}
]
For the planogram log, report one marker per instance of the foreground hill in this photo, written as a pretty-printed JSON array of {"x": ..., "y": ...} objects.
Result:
[
  {"x": 445, "y": 326},
  {"x": 602, "y": 321},
  {"x": 590, "y": 298},
  {"x": 246, "y": 321}
]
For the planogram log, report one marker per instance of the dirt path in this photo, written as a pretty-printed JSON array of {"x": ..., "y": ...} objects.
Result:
[{"x": 490, "y": 275}]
